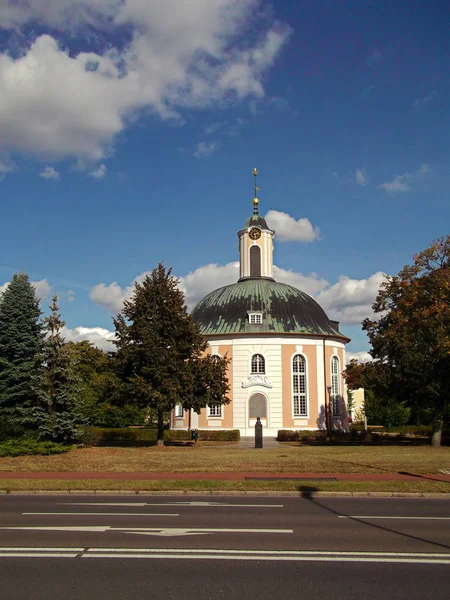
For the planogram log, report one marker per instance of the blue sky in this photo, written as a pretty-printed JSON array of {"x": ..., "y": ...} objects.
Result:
[{"x": 129, "y": 131}]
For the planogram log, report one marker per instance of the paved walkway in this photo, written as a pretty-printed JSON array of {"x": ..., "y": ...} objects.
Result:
[{"x": 221, "y": 476}]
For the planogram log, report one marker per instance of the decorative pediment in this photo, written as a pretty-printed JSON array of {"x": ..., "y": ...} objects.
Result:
[{"x": 252, "y": 380}]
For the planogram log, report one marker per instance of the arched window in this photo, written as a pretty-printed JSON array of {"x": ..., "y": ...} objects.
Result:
[
  {"x": 299, "y": 388},
  {"x": 255, "y": 261},
  {"x": 258, "y": 364},
  {"x": 336, "y": 398}
]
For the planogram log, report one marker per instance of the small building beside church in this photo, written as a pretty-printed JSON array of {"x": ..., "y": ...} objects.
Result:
[{"x": 287, "y": 356}]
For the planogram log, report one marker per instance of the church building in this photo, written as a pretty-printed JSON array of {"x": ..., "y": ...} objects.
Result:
[{"x": 287, "y": 356}]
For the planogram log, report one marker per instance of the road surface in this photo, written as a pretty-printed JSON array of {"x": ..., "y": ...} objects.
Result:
[{"x": 133, "y": 547}]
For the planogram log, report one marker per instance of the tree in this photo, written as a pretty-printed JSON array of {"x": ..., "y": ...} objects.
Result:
[
  {"x": 412, "y": 337},
  {"x": 380, "y": 406},
  {"x": 59, "y": 387},
  {"x": 20, "y": 348},
  {"x": 161, "y": 351},
  {"x": 102, "y": 393}
]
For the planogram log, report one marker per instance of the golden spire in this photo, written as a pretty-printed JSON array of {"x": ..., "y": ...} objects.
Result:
[{"x": 255, "y": 199}]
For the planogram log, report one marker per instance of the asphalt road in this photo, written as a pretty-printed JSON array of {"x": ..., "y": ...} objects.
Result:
[{"x": 108, "y": 547}]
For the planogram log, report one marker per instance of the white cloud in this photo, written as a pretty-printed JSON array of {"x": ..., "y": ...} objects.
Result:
[
  {"x": 361, "y": 177},
  {"x": 50, "y": 173},
  {"x": 181, "y": 55},
  {"x": 422, "y": 102},
  {"x": 99, "y": 172},
  {"x": 288, "y": 229},
  {"x": 100, "y": 337},
  {"x": 205, "y": 149},
  {"x": 110, "y": 296},
  {"x": 42, "y": 288},
  {"x": 423, "y": 169},
  {"x": 6, "y": 166},
  {"x": 400, "y": 183},
  {"x": 196, "y": 284},
  {"x": 350, "y": 300},
  {"x": 361, "y": 357},
  {"x": 404, "y": 183}
]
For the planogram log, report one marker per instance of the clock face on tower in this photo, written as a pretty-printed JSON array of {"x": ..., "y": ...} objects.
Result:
[{"x": 254, "y": 233}]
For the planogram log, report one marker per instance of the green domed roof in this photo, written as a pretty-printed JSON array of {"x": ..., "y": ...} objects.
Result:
[
  {"x": 285, "y": 309},
  {"x": 256, "y": 221}
]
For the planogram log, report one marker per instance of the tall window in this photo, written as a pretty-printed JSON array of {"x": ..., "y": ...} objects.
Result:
[
  {"x": 299, "y": 392},
  {"x": 258, "y": 364},
  {"x": 179, "y": 412},
  {"x": 335, "y": 387},
  {"x": 255, "y": 261},
  {"x": 215, "y": 410}
]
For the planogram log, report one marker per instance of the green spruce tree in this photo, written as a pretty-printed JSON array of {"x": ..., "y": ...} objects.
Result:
[
  {"x": 20, "y": 346},
  {"x": 161, "y": 351},
  {"x": 59, "y": 387}
]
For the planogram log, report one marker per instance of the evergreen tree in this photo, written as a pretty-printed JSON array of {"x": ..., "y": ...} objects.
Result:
[
  {"x": 20, "y": 347},
  {"x": 59, "y": 387},
  {"x": 161, "y": 351}
]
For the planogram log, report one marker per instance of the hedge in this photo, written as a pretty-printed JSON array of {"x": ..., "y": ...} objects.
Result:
[
  {"x": 143, "y": 436},
  {"x": 290, "y": 435}
]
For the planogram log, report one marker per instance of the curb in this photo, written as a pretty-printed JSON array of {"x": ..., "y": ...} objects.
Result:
[{"x": 437, "y": 495}]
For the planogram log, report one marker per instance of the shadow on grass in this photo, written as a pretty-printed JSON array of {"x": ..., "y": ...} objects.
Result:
[{"x": 423, "y": 477}]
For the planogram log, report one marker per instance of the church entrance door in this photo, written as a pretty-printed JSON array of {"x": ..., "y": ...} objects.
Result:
[{"x": 257, "y": 407}]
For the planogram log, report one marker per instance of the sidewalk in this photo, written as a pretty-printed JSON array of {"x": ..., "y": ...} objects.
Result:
[{"x": 224, "y": 476}]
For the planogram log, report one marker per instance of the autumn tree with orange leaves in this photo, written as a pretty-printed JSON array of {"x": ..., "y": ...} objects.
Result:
[{"x": 412, "y": 336}]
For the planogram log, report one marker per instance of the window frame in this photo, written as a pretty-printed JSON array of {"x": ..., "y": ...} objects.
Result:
[
  {"x": 179, "y": 411},
  {"x": 299, "y": 375},
  {"x": 216, "y": 408},
  {"x": 257, "y": 362},
  {"x": 255, "y": 318},
  {"x": 336, "y": 396}
]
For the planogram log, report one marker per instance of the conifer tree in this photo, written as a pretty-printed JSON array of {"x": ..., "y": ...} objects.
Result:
[
  {"x": 59, "y": 386},
  {"x": 20, "y": 347},
  {"x": 160, "y": 350}
]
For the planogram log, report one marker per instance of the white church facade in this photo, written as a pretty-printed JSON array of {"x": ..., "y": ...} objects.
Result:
[{"x": 287, "y": 356}]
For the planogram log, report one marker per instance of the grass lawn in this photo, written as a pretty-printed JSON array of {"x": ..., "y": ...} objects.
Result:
[
  {"x": 20, "y": 485},
  {"x": 220, "y": 456}
]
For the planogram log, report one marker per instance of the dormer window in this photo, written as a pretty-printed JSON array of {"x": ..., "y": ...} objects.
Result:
[{"x": 255, "y": 318}]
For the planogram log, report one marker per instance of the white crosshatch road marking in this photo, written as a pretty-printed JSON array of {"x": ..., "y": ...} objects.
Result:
[{"x": 160, "y": 531}]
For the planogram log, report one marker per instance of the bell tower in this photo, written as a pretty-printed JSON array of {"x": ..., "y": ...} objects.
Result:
[{"x": 256, "y": 244}]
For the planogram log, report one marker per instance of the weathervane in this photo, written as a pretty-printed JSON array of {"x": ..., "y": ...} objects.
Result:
[{"x": 255, "y": 199}]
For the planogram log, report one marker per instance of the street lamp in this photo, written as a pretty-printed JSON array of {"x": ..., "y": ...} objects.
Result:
[{"x": 329, "y": 413}]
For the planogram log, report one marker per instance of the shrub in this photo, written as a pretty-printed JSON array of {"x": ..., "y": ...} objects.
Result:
[
  {"x": 205, "y": 435},
  {"x": 21, "y": 447},
  {"x": 289, "y": 435}
]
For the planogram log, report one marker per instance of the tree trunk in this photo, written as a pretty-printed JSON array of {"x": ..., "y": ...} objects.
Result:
[
  {"x": 437, "y": 431},
  {"x": 160, "y": 436}
]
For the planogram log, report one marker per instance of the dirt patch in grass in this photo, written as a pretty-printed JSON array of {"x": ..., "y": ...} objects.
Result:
[{"x": 221, "y": 457}]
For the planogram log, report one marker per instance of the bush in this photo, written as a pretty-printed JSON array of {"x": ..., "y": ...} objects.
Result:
[
  {"x": 289, "y": 435},
  {"x": 205, "y": 435},
  {"x": 21, "y": 447}
]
